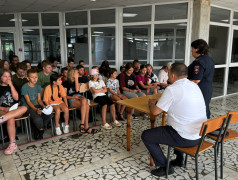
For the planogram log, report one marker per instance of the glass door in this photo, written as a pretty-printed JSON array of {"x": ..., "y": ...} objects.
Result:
[{"x": 7, "y": 45}]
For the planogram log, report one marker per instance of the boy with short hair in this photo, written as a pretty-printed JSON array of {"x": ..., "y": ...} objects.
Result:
[
  {"x": 44, "y": 76},
  {"x": 70, "y": 64},
  {"x": 136, "y": 65},
  {"x": 64, "y": 73},
  {"x": 31, "y": 97},
  {"x": 81, "y": 62}
]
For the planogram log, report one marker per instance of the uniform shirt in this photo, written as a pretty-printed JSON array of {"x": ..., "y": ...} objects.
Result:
[
  {"x": 153, "y": 78},
  {"x": 32, "y": 92},
  {"x": 184, "y": 103},
  {"x": 70, "y": 86},
  {"x": 43, "y": 80},
  {"x": 6, "y": 99},
  {"x": 163, "y": 76},
  {"x": 57, "y": 99},
  {"x": 202, "y": 69},
  {"x": 113, "y": 84},
  {"x": 128, "y": 81},
  {"x": 97, "y": 85},
  {"x": 143, "y": 79}
]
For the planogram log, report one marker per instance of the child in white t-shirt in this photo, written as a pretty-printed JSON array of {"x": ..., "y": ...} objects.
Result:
[
  {"x": 98, "y": 90},
  {"x": 114, "y": 92}
]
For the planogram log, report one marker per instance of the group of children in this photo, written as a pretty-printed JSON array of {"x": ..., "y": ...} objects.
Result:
[{"x": 47, "y": 90}]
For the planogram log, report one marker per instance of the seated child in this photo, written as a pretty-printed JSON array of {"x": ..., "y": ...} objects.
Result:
[
  {"x": 114, "y": 92},
  {"x": 31, "y": 97},
  {"x": 53, "y": 95},
  {"x": 98, "y": 90},
  {"x": 64, "y": 72}
]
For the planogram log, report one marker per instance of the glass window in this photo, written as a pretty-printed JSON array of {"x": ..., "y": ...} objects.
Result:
[
  {"x": 30, "y": 19},
  {"x": 136, "y": 43},
  {"x": 32, "y": 50},
  {"x": 7, "y": 20},
  {"x": 218, "y": 82},
  {"x": 76, "y": 18},
  {"x": 103, "y": 45},
  {"x": 7, "y": 45},
  {"x": 234, "y": 55},
  {"x": 137, "y": 14},
  {"x": 103, "y": 16},
  {"x": 235, "y": 19},
  {"x": 169, "y": 43},
  {"x": 218, "y": 37},
  {"x": 77, "y": 44},
  {"x": 171, "y": 11},
  {"x": 220, "y": 15},
  {"x": 51, "y": 42},
  {"x": 232, "y": 80},
  {"x": 50, "y": 19}
]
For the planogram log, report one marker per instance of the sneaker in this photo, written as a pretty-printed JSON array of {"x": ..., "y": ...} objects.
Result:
[
  {"x": 177, "y": 162},
  {"x": 106, "y": 126},
  {"x": 162, "y": 171},
  {"x": 116, "y": 123},
  {"x": 66, "y": 129},
  {"x": 58, "y": 131},
  {"x": 11, "y": 148},
  {"x": 134, "y": 117}
]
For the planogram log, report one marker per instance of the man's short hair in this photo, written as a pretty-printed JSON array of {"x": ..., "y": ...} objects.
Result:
[
  {"x": 64, "y": 69},
  {"x": 21, "y": 65},
  {"x": 31, "y": 71},
  {"x": 179, "y": 69},
  {"x": 26, "y": 61},
  {"x": 79, "y": 67},
  {"x": 45, "y": 63},
  {"x": 70, "y": 60},
  {"x": 14, "y": 56},
  {"x": 135, "y": 61},
  {"x": 81, "y": 61}
]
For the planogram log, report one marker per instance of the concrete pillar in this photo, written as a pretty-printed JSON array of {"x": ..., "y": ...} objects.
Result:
[{"x": 201, "y": 19}]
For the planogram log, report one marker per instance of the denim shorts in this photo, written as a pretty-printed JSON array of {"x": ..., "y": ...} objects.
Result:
[{"x": 70, "y": 101}]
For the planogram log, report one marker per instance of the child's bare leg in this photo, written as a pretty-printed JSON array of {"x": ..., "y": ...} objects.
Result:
[
  {"x": 104, "y": 112},
  {"x": 65, "y": 109},
  {"x": 113, "y": 112},
  {"x": 11, "y": 129},
  {"x": 57, "y": 114}
]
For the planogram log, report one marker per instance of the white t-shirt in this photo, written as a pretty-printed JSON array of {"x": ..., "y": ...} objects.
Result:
[
  {"x": 185, "y": 105},
  {"x": 163, "y": 76},
  {"x": 113, "y": 84},
  {"x": 97, "y": 85}
]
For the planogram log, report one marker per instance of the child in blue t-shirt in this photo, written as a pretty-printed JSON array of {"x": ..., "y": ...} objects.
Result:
[{"x": 31, "y": 97}]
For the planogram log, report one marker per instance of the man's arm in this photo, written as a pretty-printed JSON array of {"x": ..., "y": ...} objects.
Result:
[{"x": 153, "y": 108}]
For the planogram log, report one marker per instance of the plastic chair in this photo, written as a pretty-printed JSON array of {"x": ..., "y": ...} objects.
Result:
[
  {"x": 233, "y": 116},
  {"x": 207, "y": 127}
]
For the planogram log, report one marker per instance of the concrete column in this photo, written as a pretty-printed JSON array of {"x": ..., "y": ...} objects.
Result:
[{"x": 201, "y": 19}]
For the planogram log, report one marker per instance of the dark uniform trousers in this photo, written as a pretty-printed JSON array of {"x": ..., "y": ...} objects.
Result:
[{"x": 152, "y": 139}]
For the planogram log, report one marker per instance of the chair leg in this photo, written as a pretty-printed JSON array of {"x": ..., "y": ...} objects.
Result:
[
  {"x": 52, "y": 127},
  {"x": 22, "y": 129},
  {"x": 29, "y": 122},
  {"x": 222, "y": 160},
  {"x": 185, "y": 162},
  {"x": 168, "y": 159},
  {"x": 2, "y": 136},
  {"x": 215, "y": 156},
  {"x": 27, "y": 132},
  {"x": 73, "y": 121},
  {"x": 196, "y": 166}
]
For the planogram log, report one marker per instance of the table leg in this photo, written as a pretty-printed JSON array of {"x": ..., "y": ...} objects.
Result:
[
  {"x": 128, "y": 129},
  {"x": 152, "y": 125},
  {"x": 163, "y": 119}
]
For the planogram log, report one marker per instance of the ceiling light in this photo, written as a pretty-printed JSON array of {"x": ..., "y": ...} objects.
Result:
[
  {"x": 235, "y": 19},
  {"x": 28, "y": 30},
  {"x": 92, "y": 0},
  {"x": 182, "y": 24},
  {"x": 66, "y": 24},
  {"x": 129, "y": 14},
  {"x": 23, "y": 20},
  {"x": 97, "y": 32},
  {"x": 95, "y": 35},
  {"x": 225, "y": 20}
]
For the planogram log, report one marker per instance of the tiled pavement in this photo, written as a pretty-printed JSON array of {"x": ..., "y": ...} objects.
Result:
[{"x": 103, "y": 155}]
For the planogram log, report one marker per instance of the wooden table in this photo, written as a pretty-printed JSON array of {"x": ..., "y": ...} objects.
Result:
[{"x": 140, "y": 104}]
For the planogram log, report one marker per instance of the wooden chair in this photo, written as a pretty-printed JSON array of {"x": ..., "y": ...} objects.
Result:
[
  {"x": 232, "y": 118},
  {"x": 207, "y": 127}
]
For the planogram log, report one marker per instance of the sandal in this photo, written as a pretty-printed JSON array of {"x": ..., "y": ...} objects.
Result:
[
  {"x": 81, "y": 128},
  {"x": 93, "y": 131}
]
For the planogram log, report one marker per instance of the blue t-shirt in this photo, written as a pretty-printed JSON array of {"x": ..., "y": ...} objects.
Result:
[{"x": 32, "y": 92}]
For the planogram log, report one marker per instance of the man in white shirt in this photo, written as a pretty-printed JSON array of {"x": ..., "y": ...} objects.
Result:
[{"x": 185, "y": 105}]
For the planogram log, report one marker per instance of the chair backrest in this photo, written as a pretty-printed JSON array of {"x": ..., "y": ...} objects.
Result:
[
  {"x": 84, "y": 87},
  {"x": 213, "y": 124},
  {"x": 234, "y": 118}
]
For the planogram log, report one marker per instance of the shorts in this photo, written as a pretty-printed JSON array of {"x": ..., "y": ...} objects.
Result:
[
  {"x": 103, "y": 100},
  {"x": 71, "y": 101}
]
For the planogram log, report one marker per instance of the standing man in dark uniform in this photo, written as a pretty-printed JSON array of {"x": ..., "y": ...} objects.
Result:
[{"x": 201, "y": 70}]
